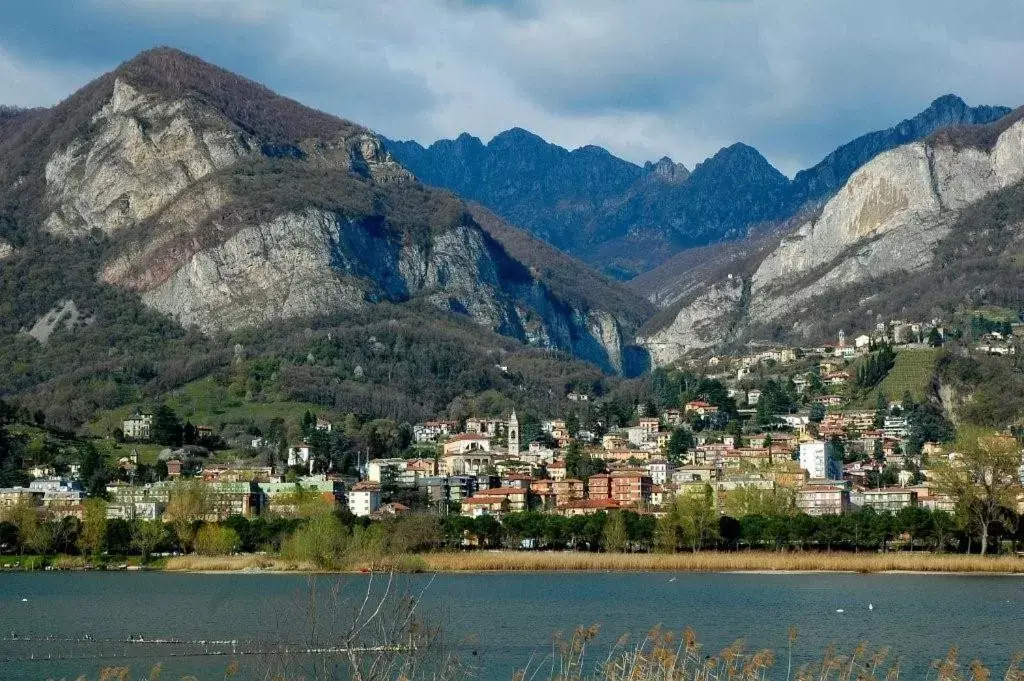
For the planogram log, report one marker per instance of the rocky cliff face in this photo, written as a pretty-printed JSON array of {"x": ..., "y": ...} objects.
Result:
[
  {"x": 825, "y": 178},
  {"x": 888, "y": 218},
  {"x": 224, "y": 220}
]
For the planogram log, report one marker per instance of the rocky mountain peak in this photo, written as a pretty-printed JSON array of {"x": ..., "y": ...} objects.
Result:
[{"x": 668, "y": 171}]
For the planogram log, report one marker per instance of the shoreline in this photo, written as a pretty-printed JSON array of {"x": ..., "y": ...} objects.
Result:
[{"x": 479, "y": 562}]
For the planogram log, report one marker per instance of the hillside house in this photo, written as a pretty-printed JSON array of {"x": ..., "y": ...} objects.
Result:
[{"x": 138, "y": 426}]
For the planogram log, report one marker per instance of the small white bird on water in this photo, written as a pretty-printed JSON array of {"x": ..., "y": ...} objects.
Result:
[
  {"x": 672, "y": 580},
  {"x": 840, "y": 610},
  {"x": 871, "y": 606},
  {"x": 24, "y": 600}
]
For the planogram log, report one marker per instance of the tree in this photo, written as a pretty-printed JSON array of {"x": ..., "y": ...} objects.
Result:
[
  {"x": 982, "y": 478},
  {"x": 615, "y": 534},
  {"x": 216, "y": 540},
  {"x": 147, "y": 535},
  {"x": 691, "y": 520},
  {"x": 817, "y": 413},
  {"x": 935, "y": 338},
  {"x": 679, "y": 443},
  {"x": 322, "y": 540},
  {"x": 93, "y": 537},
  {"x": 166, "y": 428},
  {"x": 881, "y": 411},
  {"x": 188, "y": 504},
  {"x": 33, "y": 533}
]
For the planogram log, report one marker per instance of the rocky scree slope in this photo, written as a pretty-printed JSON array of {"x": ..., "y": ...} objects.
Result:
[
  {"x": 882, "y": 231},
  {"x": 225, "y": 206}
]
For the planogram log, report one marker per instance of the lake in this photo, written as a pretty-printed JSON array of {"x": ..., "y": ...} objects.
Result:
[{"x": 498, "y": 621}]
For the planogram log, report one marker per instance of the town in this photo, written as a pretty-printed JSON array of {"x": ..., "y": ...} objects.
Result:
[{"x": 780, "y": 432}]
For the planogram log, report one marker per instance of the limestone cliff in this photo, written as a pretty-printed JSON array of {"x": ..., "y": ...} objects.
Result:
[{"x": 888, "y": 218}]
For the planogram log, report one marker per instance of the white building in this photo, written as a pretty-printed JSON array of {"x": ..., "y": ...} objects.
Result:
[
  {"x": 364, "y": 499},
  {"x": 138, "y": 426},
  {"x": 660, "y": 471},
  {"x": 513, "y": 435},
  {"x": 379, "y": 470},
  {"x": 300, "y": 454},
  {"x": 818, "y": 459}
]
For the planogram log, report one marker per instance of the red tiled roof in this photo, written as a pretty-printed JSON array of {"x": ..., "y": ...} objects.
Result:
[
  {"x": 501, "y": 491},
  {"x": 467, "y": 436}
]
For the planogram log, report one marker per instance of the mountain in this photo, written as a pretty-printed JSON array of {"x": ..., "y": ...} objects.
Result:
[
  {"x": 918, "y": 232},
  {"x": 549, "y": 190},
  {"x": 200, "y": 205},
  {"x": 626, "y": 219},
  {"x": 826, "y": 177}
]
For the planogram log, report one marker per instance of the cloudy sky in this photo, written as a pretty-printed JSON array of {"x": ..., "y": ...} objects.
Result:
[{"x": 644, "y": 78}]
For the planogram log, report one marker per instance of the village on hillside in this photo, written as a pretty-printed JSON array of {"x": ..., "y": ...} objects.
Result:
[{"x": 775, "y": 430}]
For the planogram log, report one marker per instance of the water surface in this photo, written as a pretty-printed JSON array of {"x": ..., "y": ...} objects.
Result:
[{"x": 499, "y": 622}]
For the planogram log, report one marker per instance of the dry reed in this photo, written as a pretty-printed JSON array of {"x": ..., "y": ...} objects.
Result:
[{"x": 707, "y": 561}]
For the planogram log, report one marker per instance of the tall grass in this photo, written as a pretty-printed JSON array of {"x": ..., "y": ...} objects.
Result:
[
  {"x": 707, "y": 561},
  {"x": 712, "y": 561}
]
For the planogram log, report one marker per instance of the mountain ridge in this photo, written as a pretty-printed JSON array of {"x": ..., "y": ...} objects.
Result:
[
  {"x": 631, "y": 230},
  {"x": 170, "y": 199}
]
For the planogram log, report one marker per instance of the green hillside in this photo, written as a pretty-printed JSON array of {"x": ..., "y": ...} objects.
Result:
[{"x": 913, "y": 371}]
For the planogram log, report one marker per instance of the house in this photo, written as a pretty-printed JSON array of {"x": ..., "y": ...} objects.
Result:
[
  {"x": 475, "y": 507},
  {"x": 753, "y": 397},
  {"x": 818, "y": 458},
  {"x": 390, "y": 511},
  {"x": 518, "y": 497},
  {"x": 599, "y": 486},
  {"x": 578, "y": 397},
  {"x": 650, "y": 426},
  {"x": 39, "y": 471},
  {"x": 672, "y": 417},
  {"x": 829, "y": 400},
  {"x": 695, "y": 473},
  {"x": 138, "y": 426},
  {"x": 467, "y": 442},
  {"x": 300, "y": 454},
  {"x": 890, "y": 499},
  {"x": 385, "y": 470},
  {"x": 364, "y": 499},
  {"x": 862, "y": 341},
  {"x": 568, "y": 489},
  {"x": 818, "y": 500},
  {"x": 660, "y": 471},
  {"x": 896, "y": 427},
  {"x": 322, "y": 424},
  {"x": 837, "y": 378},
  {"x": 580, "y": 507},
  {"x": 485, "y": 426},
  {"x": 637, "y": 435},
  {"x": 701, "y": 408},
  {"x": 556, "y": 469},
  {"x": 174, "y": 468},
  {"x": 631, "y": 487},
  {"x": 430, "y": 431},
  {"x": 617, "y": 440}
]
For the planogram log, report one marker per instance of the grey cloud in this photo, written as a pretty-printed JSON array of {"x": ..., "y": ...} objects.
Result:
[{"x": 795, "y": 78}]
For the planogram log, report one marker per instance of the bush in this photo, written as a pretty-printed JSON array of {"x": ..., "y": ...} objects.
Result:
[{"x": 215, "y": 540}]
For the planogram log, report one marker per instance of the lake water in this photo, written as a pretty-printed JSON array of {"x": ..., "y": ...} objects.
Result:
[{"x": 498, "y": 621}]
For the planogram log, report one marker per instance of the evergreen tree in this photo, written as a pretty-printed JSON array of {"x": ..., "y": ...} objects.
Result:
[{"x": 167, "y": 429}]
